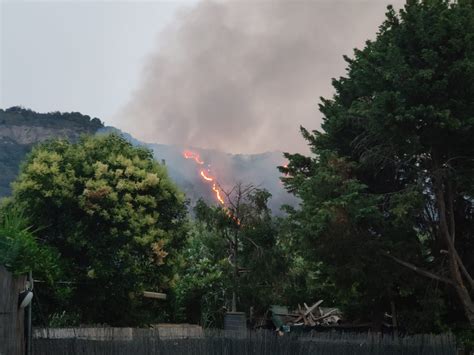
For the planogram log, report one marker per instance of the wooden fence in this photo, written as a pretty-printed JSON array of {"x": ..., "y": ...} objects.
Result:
[
  {"x": 145, "y": 342},
  {"x": 12, "y": 340},
  {"x": 162, "y": 331}
]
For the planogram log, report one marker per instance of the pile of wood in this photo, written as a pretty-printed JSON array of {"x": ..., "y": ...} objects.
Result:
[
  {"x": 316, "y": 315},
  {"x": 306, "y": 316}
]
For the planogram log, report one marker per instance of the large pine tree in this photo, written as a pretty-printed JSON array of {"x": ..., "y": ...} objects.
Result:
[{"x": 390, "y": 185}]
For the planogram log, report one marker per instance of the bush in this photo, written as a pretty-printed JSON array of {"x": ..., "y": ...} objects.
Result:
[{"x": 20, "y": 252}]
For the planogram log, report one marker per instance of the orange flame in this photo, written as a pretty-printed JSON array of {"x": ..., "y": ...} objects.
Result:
[
  {"x": 205, "y": 177},
  {"x": 285, "y": 165},
  {"x": 192, "y": 155},
  {"x": 188, "y": 154},
  {"x": 218, "y": 194},
  {"x": 217, "y": 191},
  {"x": 230, "y": 215}
]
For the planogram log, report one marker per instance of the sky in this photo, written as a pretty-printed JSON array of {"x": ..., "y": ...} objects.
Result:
[
  {"x": 239, "y": 76},
  {"x": 83, "y": 56}
]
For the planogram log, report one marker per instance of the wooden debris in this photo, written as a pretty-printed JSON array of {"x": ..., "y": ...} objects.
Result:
[
  {"x": 154, "y": 295},
  {"x": 307, "y": 315}
]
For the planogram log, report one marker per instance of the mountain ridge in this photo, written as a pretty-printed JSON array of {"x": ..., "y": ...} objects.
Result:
[{"x": 21, "y": 129}]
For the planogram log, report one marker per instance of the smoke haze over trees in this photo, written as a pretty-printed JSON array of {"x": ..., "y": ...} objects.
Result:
[{"x": 234, "y": 75}]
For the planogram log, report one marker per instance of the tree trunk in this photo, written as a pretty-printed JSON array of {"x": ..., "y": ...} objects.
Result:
[
  {"x": 236, "y": 274},
  {"x": 445, "y": 230},
  {"x": 394, "y": 317},
  {"x": 467, "y": 303}
]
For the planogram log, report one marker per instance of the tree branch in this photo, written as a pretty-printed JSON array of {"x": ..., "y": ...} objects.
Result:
[
  {"x": 464, "y": 270},
  {"x": 450, "y": 205},
  {"x": 257, "y": 247},
  {"x": 420, "y": 271}
]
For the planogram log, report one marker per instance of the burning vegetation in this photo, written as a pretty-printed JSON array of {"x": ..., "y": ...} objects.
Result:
[
  {"x": 210, "y": 179},
  {"x": 205, "y": 174}
]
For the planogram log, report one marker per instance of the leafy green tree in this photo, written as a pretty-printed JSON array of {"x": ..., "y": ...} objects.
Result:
[
  {"x": 305, "y": 277},
  {"x": 233, "y": 258},
  {"x": 20, "y": 251},
  {"x": 204, "y": 283},
  {"x": 389, "y": 187},
  {"x": 114, "y": 216}
]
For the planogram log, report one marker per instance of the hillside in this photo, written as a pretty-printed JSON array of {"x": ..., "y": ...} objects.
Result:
[
  {"x": 228, "y": 170},
  {"x": 21, "y": 128}
]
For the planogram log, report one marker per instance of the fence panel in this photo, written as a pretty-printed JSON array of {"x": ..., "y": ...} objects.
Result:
[
  {"x": 12, "y": 341},
  {"x": 219, "y": 342}
]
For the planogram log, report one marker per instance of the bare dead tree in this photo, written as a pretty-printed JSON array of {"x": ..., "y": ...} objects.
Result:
[{"x": 241, "y": 209}]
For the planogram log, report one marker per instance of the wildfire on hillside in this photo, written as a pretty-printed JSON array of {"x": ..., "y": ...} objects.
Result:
[
  {"x": 209, "y": 179},
  {"x": 205, "y": 177},
  {"x": 192, "y": 155}
]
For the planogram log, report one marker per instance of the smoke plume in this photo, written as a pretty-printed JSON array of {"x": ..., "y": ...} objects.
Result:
[{"x": 242, "y": 76}]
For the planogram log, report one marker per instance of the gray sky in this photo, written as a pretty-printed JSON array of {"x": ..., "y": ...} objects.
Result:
[
  {"x": 236, "y": 75},
  {"x": 83, "y": 56}
]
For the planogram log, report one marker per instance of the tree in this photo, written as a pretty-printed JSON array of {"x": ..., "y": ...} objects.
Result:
[
  {"x": 234, "y": 261},
  {"x": 20, "y": 251},
  {"x": 392, "y": 170},
  {"x": 204, "y": 283},
  {"x": 114, "y": 216}
]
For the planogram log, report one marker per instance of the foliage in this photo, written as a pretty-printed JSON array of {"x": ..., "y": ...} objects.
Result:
[
  {"x": 213, "y": 272},
  {"x": 305, "y": 278},
  {"x": 20, "y": 252},
  {"x": 399, "y": 123},
  {"x": 336, "y": 226},
  {"x": 466, "y": 338},
  {"x": 204, "y": 283},
  {"x": 63, "y": 320},
  {"x": 40, "y": 126},
  {"x": 21, "y": 116},
  {"x": 115, "y": 217}
]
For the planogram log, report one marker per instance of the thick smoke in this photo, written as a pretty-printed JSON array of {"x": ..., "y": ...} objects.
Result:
[{"x": 242, "y": 76}]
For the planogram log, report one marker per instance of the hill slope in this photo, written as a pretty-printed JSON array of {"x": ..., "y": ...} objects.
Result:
[
  {"x": 20, "y": 129},
  {"x": 228, "y": 169}
]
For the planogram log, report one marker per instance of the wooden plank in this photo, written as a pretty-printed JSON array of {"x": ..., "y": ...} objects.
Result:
[
  {"x": 308, "y": 311},
  {"x": 327, "y": 314},
  {"x": 12, "y": 339},
  {"x": 154, "y": 295}
]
